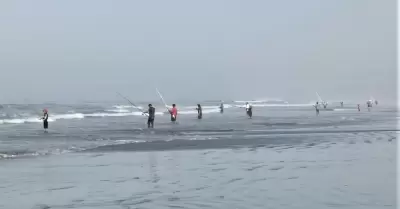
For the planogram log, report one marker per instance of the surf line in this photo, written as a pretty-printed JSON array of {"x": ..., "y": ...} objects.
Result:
[{"x": 133, "y": 105}]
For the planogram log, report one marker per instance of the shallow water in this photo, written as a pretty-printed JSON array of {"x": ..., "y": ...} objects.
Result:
[
  {"x": 343, "y": 175},
  {"x": 282, "y": 158}
]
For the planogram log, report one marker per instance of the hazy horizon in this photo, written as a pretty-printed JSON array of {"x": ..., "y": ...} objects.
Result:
[{"x": 68, "y": 51}]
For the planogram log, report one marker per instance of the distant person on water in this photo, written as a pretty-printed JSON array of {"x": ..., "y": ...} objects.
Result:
[
  {"x": 358, "y": 106},
  {"x": 45, "y": 118},
  {"x": 341, "y": 104},
  {"x": 174, "y": 112},
  {"x": 151, "y": 111},
  {"x": 199, "y": 112},
  {"x": 249, "y": 109},
  {"x": 369, "y": 105},
  {"x": 221, "y": 108},
  {"x": 316, "y": 108}
]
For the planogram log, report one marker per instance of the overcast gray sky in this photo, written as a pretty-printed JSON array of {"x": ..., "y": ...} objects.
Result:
[{"x": 227, "y": 49}]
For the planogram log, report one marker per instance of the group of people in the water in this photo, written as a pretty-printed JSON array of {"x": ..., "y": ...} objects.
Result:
[
  {"x": 174, "y": 112},
  {"x": 369, "y": 105},
  {"x": 152, "y": 112}
]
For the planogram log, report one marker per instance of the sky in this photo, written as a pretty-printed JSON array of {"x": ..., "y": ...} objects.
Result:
[{"x": 74, "y": 50}]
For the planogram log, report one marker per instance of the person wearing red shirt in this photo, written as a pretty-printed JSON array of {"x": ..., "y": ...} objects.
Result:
[{"x": 174, "y": 112}]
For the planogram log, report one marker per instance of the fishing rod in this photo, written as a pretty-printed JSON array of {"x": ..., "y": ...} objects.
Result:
[
  {"x": 162, "y": 99},
  {"x": 132, "y": 104}
]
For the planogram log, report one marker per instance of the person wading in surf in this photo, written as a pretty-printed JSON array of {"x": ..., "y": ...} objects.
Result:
[
  {"x": 151, "y": 111},
  {"x": 199, "y": 112},
  {"x": 221, "y": 107},
  {"x": 174, "y": 113},
  {"x": 369, "y": 105},
  {"x": 316, "y": 108},
  {"x": 45, "y": 118},
  {"x": 249, "y": 110}
]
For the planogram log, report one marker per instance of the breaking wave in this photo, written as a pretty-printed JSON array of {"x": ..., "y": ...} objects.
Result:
[
  {"x": 275, "y": 105},
  {"x": 128, "y": 110},
  {"x": 107, "y": 113},
  {"x": 344, "y": 109}
]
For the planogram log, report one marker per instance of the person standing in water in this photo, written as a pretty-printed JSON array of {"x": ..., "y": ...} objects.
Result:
[
  {"x": 358, "y": 107},
  {"x": 369, "y": 105},
  {"x": 174, "y": 113},
  {"x": 316, "y": 108},
  {"x": 341, "y": 104},
  {"x": 249, "y": 109},
  {"x": 221, "y": 107},
  {"x": 45, "y": 120},
  {"x": 199, "y": 112},
  {"x": 152, "y": 112}
]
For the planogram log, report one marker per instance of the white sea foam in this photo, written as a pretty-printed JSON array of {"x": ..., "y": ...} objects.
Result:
[
  {"x": 207, "y": 107},
  {"x": 275, "y": 105},
  {"x": 31, "y": 119},
  {"x": 68, "y": 116},
  {"x": 121, "y": 110},
  {"x": 123, "y": 106},
  {"x": 118, "y": 114},
  {"x": 22, "y": 120},
  {"x": 344, "y": 109},
  {"x": 188, "y": 112}
]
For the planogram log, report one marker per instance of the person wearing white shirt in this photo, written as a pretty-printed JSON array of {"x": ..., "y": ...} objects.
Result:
[{"x": 249, "y": 110}]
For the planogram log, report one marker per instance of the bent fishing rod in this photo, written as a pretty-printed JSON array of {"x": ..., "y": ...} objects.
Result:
[{"x": 133, "y": 105}]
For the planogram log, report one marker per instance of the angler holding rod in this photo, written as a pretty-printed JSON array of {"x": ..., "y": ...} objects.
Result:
[
  {"x": 150, "y": 113},
  {"x": 173, "y": 111}
]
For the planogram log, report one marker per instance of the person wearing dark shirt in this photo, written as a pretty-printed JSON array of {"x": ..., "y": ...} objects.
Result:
[
  {"x": 45, "y": 120},
  {"x": 151, "y": 111},
  {"x": 221, "y": 107},
  {"x": 199, "y": 112},
  {"x": 316, "y": 108}
]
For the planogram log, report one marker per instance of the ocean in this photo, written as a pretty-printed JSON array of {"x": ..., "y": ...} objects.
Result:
[{"x": 103, "y": 156}]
